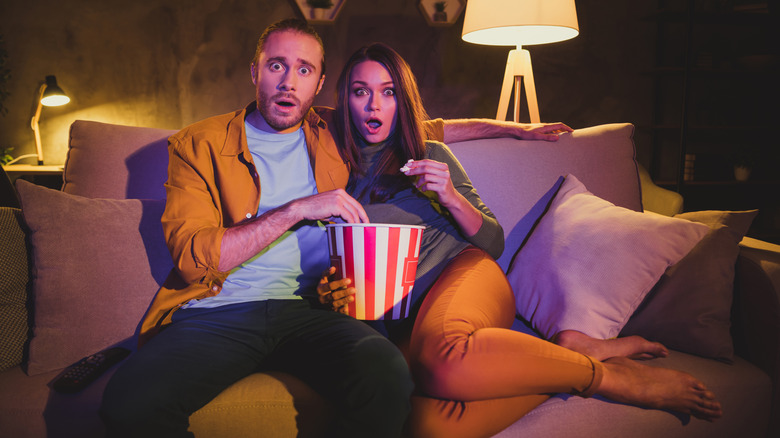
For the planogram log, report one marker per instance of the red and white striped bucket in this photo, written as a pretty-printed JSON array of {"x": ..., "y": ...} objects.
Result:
[{"x": 381, "y": 260}]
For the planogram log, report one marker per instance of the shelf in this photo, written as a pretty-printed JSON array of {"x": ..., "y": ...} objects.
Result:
[{"x": 32, "y": 169}]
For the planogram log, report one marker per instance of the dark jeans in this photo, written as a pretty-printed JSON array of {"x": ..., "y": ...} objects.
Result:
[{"x": 205, "y": 350}]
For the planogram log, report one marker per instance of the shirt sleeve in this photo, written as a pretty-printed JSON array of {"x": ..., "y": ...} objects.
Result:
[
  {"x": 490, "y": 236},
  {"x": 434, "y": 129},
  {"x": 191, "y": 221}
]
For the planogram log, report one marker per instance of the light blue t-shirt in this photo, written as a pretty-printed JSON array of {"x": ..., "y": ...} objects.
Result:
[{"x": 291, "y": 266}]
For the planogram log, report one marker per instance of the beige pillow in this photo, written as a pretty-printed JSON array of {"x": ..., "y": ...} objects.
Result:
[
  {"x": 97, "y": 263},
  {"x": 690, "y": 307}
]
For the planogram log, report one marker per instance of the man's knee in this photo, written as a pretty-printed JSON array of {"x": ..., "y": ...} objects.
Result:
[{"x": 131, "y": 408}]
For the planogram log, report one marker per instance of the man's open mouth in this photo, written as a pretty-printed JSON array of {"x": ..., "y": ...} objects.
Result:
[{"x": 285, "y": 101}]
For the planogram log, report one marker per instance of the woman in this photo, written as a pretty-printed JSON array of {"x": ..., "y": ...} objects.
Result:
[{"x": 458, "y": 341}]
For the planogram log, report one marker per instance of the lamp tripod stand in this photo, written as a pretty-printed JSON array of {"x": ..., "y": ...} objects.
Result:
[{"x": 518, "y": 69}]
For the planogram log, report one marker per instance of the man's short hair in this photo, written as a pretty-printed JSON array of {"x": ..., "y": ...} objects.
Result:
[{"x": 291, "y": 24}]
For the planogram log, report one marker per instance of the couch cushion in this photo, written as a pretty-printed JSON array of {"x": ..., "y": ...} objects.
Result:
[
  {"x": 97, "y": 265},
  {"x": 588, "y": 264},
  {"x": 115, "y": 161},
  {"x": 690, "y": 307},
  {"x": 743, "y": 390},
  {"x": 14, "y": 277},
  {"x": 602, "y": 157}
]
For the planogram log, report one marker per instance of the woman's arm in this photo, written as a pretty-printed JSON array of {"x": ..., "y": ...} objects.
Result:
[{"x": 443, "y": 174}]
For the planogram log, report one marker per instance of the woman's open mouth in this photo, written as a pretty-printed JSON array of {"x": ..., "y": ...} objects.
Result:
[{"x": 373, "y": 125}]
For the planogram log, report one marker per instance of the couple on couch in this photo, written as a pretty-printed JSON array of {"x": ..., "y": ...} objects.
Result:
[{"x": 246, "y": 194}]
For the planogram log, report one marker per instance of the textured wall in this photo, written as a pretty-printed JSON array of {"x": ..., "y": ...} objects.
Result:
[{"x": 167, "y": 63}]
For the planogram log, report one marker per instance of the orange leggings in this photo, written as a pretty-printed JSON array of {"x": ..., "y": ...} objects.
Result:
[{"x": 475, "y": 376}]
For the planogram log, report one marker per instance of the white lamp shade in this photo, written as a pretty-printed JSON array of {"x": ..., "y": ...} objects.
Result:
[{"x": 519, "y": 22}]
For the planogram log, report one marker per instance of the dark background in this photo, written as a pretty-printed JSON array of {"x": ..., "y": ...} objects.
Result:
[{"x": 168, "y": 63}]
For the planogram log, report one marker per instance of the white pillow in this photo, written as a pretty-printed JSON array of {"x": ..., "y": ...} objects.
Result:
[{"x": 588, "y": 264}]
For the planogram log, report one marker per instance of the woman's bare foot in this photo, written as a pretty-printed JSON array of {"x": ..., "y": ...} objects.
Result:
[
  {"x": 635, "y": 347},
  {"x": 629, "y": 382}
]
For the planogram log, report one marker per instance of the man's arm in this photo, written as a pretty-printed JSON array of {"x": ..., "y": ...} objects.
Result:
[
  {"x": 243, "y": 241},
  {"x": 456, "y": 130}
]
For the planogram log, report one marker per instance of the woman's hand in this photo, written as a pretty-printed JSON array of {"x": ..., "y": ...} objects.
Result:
[
  {"x": 337, "y": 293},
  {"x": 433, "y": 176}
]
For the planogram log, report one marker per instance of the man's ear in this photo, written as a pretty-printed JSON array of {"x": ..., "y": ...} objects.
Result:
[
  {"x": 319, "y": 87},
  {"x": 254, "y": 75}
]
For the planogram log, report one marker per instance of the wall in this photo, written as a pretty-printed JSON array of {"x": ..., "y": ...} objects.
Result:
[{"x": 168, "y": 63}]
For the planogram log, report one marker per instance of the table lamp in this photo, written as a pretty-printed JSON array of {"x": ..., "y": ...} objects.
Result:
[
  {"x": 519, "y": 23},
  {"x": 50, "y": 94}
]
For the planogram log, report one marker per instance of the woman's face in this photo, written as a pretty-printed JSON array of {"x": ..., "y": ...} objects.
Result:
[{"x": 372, "y": 102}]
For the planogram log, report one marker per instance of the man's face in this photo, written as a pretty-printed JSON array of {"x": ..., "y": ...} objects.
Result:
[{"x": 287, "y": 76}]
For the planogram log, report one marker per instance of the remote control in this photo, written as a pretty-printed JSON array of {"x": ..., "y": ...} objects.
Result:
[{"x": 77, "y": 376}]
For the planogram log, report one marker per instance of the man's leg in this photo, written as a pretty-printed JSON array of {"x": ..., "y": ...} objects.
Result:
[
  {"x": 181, "y": 369},
  {"x": 351, "y": 365}
]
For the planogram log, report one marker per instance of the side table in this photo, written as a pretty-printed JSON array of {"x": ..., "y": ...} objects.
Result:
[{"x": 45, "y": 175}]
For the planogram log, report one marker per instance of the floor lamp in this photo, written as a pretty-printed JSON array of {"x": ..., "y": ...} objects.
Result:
[{"x": 519, "y": 23}]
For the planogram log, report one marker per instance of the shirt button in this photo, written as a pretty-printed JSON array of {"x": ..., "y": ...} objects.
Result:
[
  {"x": 248, "y": 215},
  {"x": 215, "y": 288}
]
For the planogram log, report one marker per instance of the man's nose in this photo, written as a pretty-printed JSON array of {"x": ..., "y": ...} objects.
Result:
[{"x": 289, "y": 81}]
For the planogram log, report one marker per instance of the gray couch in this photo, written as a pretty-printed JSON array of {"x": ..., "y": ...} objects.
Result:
[{"x": 96, "y": 258}]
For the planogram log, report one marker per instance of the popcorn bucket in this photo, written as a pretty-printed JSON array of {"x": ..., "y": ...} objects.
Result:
[{"x": 381, "y": 260}]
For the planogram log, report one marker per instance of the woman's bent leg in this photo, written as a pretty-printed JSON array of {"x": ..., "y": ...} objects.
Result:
[{"x": 462, "y": 348}]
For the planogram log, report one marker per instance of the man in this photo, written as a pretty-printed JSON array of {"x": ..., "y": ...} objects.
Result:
[{"x": 246, "y": 192}]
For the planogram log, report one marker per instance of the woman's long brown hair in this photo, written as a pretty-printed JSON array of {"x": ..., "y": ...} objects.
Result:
[{"x": 408, "y": 139}]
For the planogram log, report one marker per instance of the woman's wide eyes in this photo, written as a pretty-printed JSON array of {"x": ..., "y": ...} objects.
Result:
[{"x": 389, "y": 92}]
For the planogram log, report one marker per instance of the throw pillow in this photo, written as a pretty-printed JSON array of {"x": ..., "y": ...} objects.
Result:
[
  {"x": 588, "y": 264},
  {"x": 690, "y": 307},
  {"x": 13, "y": 288},
  {"x": 97, "y": 263}
]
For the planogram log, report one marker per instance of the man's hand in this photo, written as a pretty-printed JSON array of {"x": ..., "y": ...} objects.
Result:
[
  {"x": 539, "y": 131},
  {"x": 336, "y": 293},
  {"x": 244, "y": 240},
  {"x": 330, "y": 204}
]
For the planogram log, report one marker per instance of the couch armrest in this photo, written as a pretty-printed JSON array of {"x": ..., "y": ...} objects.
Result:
[
  {"x": 756, "y": 312},
  {"x": 658, "y": 199}
]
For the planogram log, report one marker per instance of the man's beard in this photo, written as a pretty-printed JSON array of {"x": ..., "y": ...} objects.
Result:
[{"x": 278, "y": 122}]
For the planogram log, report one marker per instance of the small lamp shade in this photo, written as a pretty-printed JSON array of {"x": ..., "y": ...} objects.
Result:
[
  {"x": 519, "y": 22},
  {"x": 53, "y": 94}
]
